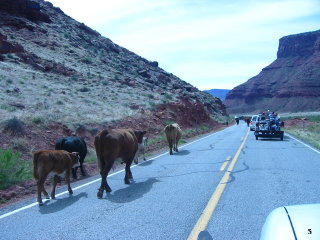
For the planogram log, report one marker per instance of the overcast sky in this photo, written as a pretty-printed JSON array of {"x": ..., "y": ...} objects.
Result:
[{"x": 208, "y": 43}]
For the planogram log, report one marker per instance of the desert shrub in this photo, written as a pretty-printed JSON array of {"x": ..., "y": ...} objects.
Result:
[
  {"x": 13, "y": 126},
  {"x": 12, "y": 169},
  {"x": 19, "y": 144},
  {"x": 8, "y": 107},
  {"x": 38, "y": 120},
  {"x": 152, "y": 105},
  {"x": 86, "y": 60},
  {"x": 84, "y": 89},
  {"x": 168, "y": 96},
  {"x": 74, "y": 78}
]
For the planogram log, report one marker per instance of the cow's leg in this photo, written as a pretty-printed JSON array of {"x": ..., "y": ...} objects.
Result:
[
  {"x": 108, "y": 167},
  {"x": 144, "y": 158},
  {"x": 143, "y": 152},
  {"x": 83, "y": 172},
  {"x": 74, "y": 172},
  {"x": 176, "y": 141},
  {"x": 55, "y": 181},
  {"x": 136, "y": 158},
  {"x": 104, "y": 184},
  {"x": 170, "y": 144},
  {"x": 128, "y": 174},
  {"x": 67, "y": 177},
  {"x": 40, "y": 188},
  {"x": 46, "y": 195}
]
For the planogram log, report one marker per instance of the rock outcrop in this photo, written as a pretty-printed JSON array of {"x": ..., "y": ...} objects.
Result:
[{"x": 290, "y": 84}]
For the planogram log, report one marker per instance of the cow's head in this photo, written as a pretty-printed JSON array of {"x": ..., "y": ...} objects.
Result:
[
  {"x": 75, "y": 159},
  {"x": 139, "y": 135}
]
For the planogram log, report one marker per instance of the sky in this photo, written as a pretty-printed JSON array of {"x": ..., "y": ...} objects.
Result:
[{"x": 207, "y": 43}]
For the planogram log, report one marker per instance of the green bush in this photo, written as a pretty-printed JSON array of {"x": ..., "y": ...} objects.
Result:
[
  {"x": 168, "y": 96},
  {"x": 38, "y": 120},
  {"x": 12, "y": 169}
]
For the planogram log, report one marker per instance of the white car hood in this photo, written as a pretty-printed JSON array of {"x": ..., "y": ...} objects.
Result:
[{"x": 292, "y": 222}]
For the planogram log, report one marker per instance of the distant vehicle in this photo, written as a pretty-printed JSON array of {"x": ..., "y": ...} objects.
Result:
[
  {"x": 292, "y": 222},
  {"x": 268, "y": 127},
  {"x": 253, "y": 122}
]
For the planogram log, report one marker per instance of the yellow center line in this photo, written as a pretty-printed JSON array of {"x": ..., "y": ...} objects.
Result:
[
  {"x": 225, "y": 163},
  {"x": 208, "y": 211}
]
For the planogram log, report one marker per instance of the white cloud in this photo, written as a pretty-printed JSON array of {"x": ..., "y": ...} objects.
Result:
[{"x": 200, "y": 41}]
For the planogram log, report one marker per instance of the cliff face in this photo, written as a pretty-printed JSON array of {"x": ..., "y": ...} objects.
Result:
[
  {"x": 290, "y": 84},
  {"x": 58, "y": 69}
]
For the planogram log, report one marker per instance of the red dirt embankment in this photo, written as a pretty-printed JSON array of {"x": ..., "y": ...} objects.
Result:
[{"x": 190, "y": 116}]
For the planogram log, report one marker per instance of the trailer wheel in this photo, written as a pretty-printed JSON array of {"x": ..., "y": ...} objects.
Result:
[
  {"x": 257, "y": 137},
  {"x": 281, "y": 137}
]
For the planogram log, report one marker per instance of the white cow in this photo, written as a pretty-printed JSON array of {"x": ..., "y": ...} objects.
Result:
[{"x": 141, "y": 150}]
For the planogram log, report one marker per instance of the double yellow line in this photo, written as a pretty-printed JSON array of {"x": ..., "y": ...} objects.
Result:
[{"x": 208, "y": 211}]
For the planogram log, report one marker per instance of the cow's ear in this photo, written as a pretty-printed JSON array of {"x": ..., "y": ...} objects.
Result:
[{"x": 144, "y": 132}]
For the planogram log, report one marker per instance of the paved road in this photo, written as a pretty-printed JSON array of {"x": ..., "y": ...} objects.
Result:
[{"x": 170, "y": 193}]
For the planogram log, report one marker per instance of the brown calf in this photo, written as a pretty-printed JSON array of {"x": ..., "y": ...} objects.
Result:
[
  {"x": 114, "y": 144},
  {"x": 56, "y": 161},
  {"x": 173, "y": 134}
]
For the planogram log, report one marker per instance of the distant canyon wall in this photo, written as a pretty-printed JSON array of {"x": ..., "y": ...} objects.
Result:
[{"x": 289, "y": 84}]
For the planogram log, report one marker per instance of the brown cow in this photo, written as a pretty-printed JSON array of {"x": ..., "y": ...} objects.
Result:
[
  {"x": 55, "y": 161},
  {"x": 173, "y": 134},
  {"x": 113, "y": 144}
]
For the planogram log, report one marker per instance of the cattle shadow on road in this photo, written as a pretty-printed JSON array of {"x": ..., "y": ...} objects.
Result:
[
  {"x": 133, "y": 192},
  {"x": 58, "y": 204},
  {"x": 182, "y": 152},
  {"x": 146, "y": 163},
  {"x": 211, "y": 147}
]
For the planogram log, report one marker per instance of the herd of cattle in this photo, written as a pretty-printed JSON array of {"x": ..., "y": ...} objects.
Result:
[{"x": 110, "y": 145}]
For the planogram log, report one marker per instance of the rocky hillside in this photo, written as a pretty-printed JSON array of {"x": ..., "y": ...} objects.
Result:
[
  {"x": 58, "y": 76},
  {"x": 290, "y": 84}
]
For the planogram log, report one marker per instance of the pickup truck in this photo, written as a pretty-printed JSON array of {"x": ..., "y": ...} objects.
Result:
[{"x": 269, "y": 127}]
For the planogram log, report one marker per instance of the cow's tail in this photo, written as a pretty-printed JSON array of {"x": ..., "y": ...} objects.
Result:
[
  {"x": 169, "y": 131},
  {"x": 35, "y": 165},
  {"x": 99, "y": 147}
]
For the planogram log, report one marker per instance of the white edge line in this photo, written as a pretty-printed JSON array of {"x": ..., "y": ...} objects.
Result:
[
  {"x": 312, "y": 148},
  {"x": 96, "y": 180}
]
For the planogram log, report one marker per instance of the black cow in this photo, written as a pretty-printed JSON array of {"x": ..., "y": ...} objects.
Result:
[{"x": 74, "y": 144}]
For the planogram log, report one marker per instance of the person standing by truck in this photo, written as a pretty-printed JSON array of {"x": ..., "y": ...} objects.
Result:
[{"x": 237, "y": 120}]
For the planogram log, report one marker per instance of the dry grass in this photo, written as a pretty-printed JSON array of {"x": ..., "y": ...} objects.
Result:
[
  {"x": 47, "y": 99},
  {"x": 308, "y": 129}
]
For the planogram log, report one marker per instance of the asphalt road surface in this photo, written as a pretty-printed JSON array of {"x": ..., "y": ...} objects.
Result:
[{"x": 221, "y": 186}]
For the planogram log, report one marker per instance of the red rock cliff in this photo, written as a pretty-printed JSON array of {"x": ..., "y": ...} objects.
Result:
[{"x": 290, "y": 84}]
